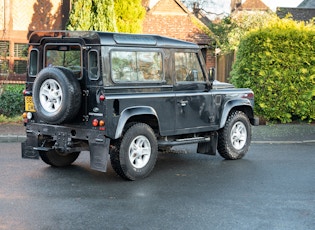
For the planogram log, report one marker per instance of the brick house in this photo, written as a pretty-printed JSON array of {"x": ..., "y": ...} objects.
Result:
[
  {"x": 17, "y": 19},
  {"x": 171, "y": 18}
]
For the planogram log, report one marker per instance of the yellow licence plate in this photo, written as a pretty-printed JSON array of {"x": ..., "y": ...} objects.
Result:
[{"x": 29, "y": 105}]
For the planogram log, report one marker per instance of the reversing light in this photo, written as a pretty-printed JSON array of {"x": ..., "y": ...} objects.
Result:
[
  {"x": 29, "y": 115},
  {"x": 95, "y": 122}
]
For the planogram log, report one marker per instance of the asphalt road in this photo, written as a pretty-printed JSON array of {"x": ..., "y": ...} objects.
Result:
[{"x": 273, "y": 187}]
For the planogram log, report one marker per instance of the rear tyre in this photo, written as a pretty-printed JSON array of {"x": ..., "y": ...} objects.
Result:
[
  {"x": 56, "y": 159},
  {"x": 235, "y": 136},
  {"x": 134, "y": 156}
]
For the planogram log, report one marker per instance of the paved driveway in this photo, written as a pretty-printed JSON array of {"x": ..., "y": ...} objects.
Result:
[{"x": 273, "y": 187}]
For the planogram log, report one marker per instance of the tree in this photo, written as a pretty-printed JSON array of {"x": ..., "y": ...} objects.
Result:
[
  {"x": 104, "y": 17},
  {"x": 81, "y": 16},
  {"x": 129, "y": 15},
  {"x": 107, "y": 15},
  {"x": 230, "y": 30},
  {"x": 208, "y": 7},
  {"x": 92, "y": 15}
]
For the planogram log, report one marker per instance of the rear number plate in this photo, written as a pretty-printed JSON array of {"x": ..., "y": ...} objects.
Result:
[{"x": 29, "y": 105}]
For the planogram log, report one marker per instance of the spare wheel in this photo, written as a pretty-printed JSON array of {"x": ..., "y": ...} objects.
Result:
[{"x": 56, "y": 95}]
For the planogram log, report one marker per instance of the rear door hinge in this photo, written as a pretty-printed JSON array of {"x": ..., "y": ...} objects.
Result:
[{"x": 85, "y": 118}]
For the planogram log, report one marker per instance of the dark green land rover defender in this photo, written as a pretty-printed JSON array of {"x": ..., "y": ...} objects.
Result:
[{"x": 124, "y": 97}]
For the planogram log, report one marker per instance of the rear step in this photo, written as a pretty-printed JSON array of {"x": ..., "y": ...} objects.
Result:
[{"x": 206, "y": 145}]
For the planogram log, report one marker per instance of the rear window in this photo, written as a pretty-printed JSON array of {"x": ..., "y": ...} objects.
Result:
[{"x": 68, "y": 56}]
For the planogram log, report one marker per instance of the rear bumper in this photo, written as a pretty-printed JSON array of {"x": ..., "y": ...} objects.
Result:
[
  {"x": 62, "y": 132},
  {"x": 43, "y": 137}
]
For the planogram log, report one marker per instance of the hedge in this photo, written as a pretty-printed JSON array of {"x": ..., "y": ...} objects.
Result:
[
  {"x": 278, "y": 63},
  {"x": 11, "y": 100}
]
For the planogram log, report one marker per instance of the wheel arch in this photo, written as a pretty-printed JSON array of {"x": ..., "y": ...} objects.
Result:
[
  {"x": 243, "y": 105},
  {"x": 144, "y": 114}
]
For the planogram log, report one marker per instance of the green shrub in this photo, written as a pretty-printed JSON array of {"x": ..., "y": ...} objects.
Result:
[
  {"x": 278, "y": 63},
  {"x": 11, "y": 100}
]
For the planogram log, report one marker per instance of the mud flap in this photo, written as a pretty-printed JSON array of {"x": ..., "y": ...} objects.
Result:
[
  {"x": 99, "y": 153},
  {"x": 27, "y": 147},
  {"x": 209, "y": 148}
]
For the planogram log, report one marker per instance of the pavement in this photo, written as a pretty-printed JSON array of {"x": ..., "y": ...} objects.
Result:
[
  {"x": 270, "y": 133},
  {"x": 12, "y": 132}
]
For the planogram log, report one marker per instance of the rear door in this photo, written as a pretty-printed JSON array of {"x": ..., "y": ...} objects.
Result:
[{"x": 68, "y": 55}]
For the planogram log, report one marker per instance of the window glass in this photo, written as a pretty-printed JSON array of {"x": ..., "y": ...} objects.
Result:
[
  {"x": 33, "y": 63},
  {"x": 4, "y": 49},
  {"x": 4, "y": 52},
  {"x": 20, "y": 50},
  {"x": 187, "y": 67},
  {"x": 136, "y": 66},
  {"x": 68, "y": 56},
  {"x": 93, "y": 65},
  {"x": 4, "y": 67},
  {"x": 20, "y": 66}
]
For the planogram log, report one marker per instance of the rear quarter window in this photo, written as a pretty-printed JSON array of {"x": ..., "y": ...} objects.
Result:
[{"x": 136, "y": 66}]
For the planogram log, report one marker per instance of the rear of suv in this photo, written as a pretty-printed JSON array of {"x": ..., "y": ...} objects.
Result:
[{"x": 124, "y": 97}]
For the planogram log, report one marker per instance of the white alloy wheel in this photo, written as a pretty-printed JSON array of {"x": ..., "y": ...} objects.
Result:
[
  {"x": 50, "y": 95},
  {"x": 238, "y": 135},
  {"x": 139, "y": 151},
  {"x": 134, "y": 155}
]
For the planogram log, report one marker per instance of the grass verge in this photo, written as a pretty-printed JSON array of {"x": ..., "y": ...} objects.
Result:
[{"x": 15, "y": 119}]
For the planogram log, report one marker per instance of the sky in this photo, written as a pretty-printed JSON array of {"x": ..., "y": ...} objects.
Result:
[{"x": 224, "y": 5}]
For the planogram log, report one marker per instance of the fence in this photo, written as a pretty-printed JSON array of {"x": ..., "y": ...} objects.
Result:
[{"x": 224, "y": 66}]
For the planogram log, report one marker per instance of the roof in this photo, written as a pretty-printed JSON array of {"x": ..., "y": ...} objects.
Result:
[
  {"x": 307, "y": 4},
  {"x": 253, "y": 5},
  {"x": 171, "y": 18},
  {"x": 107, "y": 38},
  {"x": 299, "y": 14}
]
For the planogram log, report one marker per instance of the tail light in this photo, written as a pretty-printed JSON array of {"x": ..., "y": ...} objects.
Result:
[
  {"x": 248, "y": 96},
  {"x": 98, "y": 123},
  {"x": 95, "y": 122},
  {"x": 27, "y": 116}
]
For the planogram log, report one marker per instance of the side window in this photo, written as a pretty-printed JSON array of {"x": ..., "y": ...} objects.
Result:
[
  {"x": 136, "y": 66},
  {"x": 93, "y": 69},
  {"x": 33, "y": 63},
  {"x": 187, "y": 67}
]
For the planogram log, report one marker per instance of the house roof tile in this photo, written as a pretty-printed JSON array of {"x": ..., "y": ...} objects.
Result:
[
  {"x": 171, "y": 18},
  {"x": 254, "y": 5}
]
